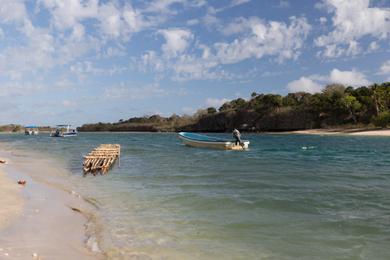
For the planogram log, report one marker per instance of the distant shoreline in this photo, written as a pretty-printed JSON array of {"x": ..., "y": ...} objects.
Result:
[{"x": 362, "y": 131}]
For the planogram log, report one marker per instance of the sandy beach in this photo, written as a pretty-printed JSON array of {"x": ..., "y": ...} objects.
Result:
[
  {"x": 38, "y": 220},
  {"x": 357, "y": 132},
  {"x": 10, "y": 199}
]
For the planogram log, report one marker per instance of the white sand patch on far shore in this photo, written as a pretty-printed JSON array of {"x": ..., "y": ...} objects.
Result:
[
  {"x": 384, "y": 132},
  {"x": 357, "y": 132}
]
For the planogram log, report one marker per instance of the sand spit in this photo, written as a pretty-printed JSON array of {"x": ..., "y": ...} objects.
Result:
[{"x": 39, "y": 221}]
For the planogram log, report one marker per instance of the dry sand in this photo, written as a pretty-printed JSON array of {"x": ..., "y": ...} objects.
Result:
[
  {"x": 37, "y": 219},
  {"x": 358, "y": 132}
]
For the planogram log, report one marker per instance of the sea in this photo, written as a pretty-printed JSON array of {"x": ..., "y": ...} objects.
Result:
[{"x": 287, "y": 197}]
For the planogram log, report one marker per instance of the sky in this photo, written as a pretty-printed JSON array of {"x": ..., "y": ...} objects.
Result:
[{"x": 88, "y": 61}]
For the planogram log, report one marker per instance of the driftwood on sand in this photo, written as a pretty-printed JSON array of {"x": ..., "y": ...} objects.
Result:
[{"x": 101, "y": 159}]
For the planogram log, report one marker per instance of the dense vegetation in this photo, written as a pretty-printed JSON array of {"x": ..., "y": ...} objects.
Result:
[
  {"x": 335, "y": 106},
  {"x": 19, "y": 128},
  {"x": 10, "y": 128}
]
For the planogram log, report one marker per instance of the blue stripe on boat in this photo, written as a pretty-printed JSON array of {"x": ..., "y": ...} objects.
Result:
[{"x": 202, "y": 138}]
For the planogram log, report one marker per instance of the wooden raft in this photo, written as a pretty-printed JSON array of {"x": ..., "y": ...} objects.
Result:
[{"x": 101, "y": 158}]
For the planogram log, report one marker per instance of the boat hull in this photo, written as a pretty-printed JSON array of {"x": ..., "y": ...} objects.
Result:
[
  {"x": 63, "y": 134},
  {"x": 31, "y": 132},
  {"x": 221, "y": 145}
]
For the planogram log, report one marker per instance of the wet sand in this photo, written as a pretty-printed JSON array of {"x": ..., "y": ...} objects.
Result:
[
  {"x": 10, "y": 200},
  {"x": 39, "y": 221}
]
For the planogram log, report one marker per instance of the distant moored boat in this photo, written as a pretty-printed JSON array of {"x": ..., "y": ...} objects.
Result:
[
  {"x": 63, "y": 131},
  {"x": 31, "y": 130},
  {"x": 205, "y": 141}
]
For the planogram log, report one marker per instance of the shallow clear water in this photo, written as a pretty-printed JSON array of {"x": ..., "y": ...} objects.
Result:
[{"x": 288, "y": 197}]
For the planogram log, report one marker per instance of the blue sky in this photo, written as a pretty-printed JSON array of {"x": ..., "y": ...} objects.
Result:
[{"x": 85, "y": 61}]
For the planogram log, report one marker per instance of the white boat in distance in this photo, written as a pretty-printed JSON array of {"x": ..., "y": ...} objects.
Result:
[
  {"x": 204, "y": 141},
  {"x": 31, "y": 130},
  {"x": 63, "y": 131}
]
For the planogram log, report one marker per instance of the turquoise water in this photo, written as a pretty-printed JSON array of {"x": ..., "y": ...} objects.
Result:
[{"x": 288, "y": 197}]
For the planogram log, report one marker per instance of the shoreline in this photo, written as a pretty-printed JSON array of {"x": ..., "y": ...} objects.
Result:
[
  {"x": 335, "y": 131},
  {"x": 44, "y": 221},
  {"x": 319, "y": 131}
]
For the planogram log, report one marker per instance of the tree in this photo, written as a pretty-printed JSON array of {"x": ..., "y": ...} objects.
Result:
[
  {"x": 382, "y": 119},
  {"x": 226, "y": 106},
  {"x": 201, "y": 113},
  {"x": 238, "y": 103},
  {"x": 211, "y": 110},
  {"x": 334, "y": 90},
  {"x": 353, "y": 105}
]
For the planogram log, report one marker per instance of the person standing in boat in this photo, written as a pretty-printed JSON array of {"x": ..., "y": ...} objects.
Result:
[{"x": 237, "y": 137}]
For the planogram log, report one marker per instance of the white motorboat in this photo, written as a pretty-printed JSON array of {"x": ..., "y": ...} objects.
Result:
[{"x": 63, "y": 131}]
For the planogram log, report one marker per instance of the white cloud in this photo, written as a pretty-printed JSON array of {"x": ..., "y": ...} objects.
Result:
[
  {"x": 87, "y": 67},
  {"x": 192, "y": 22},
  {"x": 36, "y": 53},
  {"x": 304, "y": 84},
  {"x": 150, "y": 60},
  {"x": 124, "y": 91},
  {"x": 348, "y": 78},
  {"x": 283, "y": 4},
  {"x": 163, "y": 6},
  {"x": 110, "y": 18},
  {"x": 211, "y": 21},
  {"x": 68, "y": 13},
  {"x": 238, "y": 2},
  {"x": 113, "y": 19},
  {"x": 264, "y": 39},
  {"x": 314, "y": 83},
  {"x": 176, "y": 41},
  {"x": 135, "y": 20},
  {"x": 17, "y": 88},
  {"x": 123, "y": 21},
  {"x": 352, "y": 21},
  {"x": 256, "y": 39},
  {"x": 216, "y": 102},
  {"x": 373, "y": 46},
  {"x": 323, "y": 20},
  {"x": 13, "y": 11},
  {"x": 385, "y": 68},
  {"x": 232, "y": 4},
  {"x": 188, "y": 110}
]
